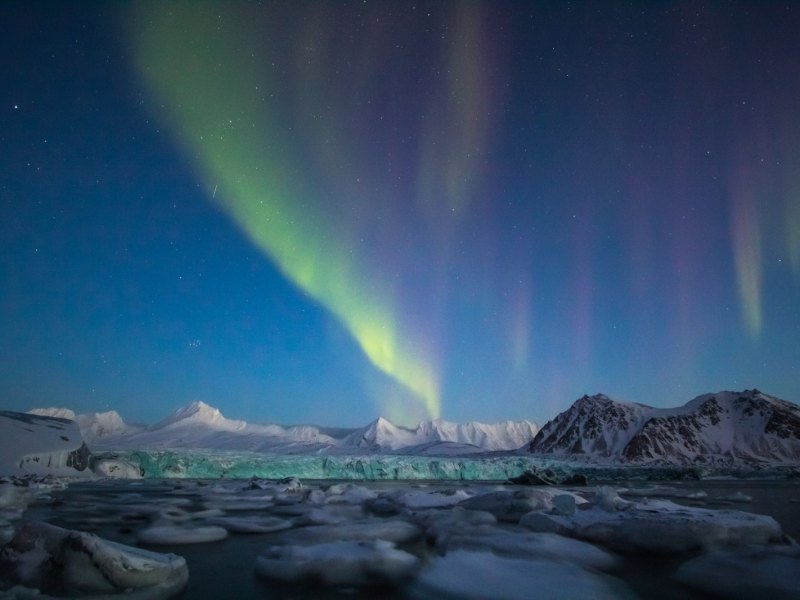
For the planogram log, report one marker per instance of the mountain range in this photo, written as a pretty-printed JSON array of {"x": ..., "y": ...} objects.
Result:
[
  {"x": 726, "y": 427},
  {"x": 198, "y": 425},
  {"x": 723, "y": 428}
]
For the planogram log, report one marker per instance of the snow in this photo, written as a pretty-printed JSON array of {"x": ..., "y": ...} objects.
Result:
[
  {"x": 512, "y": 505},
  {"x": 41, "y": 445},
  {"x": 58, "y": 413},
  {"x": 746, "y": 427},
  {"x": 199, "y": 425},
  {"x": 50, "y": 557},
  {"x": 657, "y": 526},
  {"x": 421, "y": 541}
]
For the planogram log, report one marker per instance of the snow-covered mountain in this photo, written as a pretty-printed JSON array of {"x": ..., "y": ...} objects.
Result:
[
  {"x": 92, "y": 425},
  {"x": 41, "y": 444},
  {"x": 199, "y": 425},
  {"x": 505, "y": 435},
  {"x": 726, "y": 427},
  {"x": 380, "y": 435}
]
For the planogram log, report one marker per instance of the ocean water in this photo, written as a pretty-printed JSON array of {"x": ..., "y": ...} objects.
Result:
[{"x": 117, "y": 510}]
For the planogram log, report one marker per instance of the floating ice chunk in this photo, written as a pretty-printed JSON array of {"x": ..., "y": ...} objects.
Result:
[
  {"x": 607, "y": 498},
  {"x": 547, "y": 523},
  {"x": 239, "y": 503},
  {"x": 512, "y": 505},
  {"x": 439, "y": 524},
  {"x": 167, "y": 533},
  {"x": 288, "y": 484},
  {"x": 349, "y": 493},
  {"x": 117, "y": 468},
  {"x": 338, "y": 563},
  {"x": 755, "y": 572},
  {"x": 737, "y": 496},
  {"x": 564, "y": 504},
  {"x": 391, "y": 530},
  {"x": 255, "y": 524},
  {"x": 49, "y": 557},
  {"x": 316, "y": 497},
  {"x": 469, "y": 575},
  {"x": 332, "y": 514},
  {"x": 515, "y": 544},
  {"x": 662, "y": 491},
  {"x": 418, "y": 499},
  {"x": 661, "y": 527}
]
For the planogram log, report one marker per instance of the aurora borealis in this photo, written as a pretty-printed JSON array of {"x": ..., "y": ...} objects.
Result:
[{"x": 329, "y": 211}]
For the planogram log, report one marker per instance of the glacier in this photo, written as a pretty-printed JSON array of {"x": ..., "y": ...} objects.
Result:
[
  {"x": 496, "y": 466},
  {"x": 215, "y": 464}
]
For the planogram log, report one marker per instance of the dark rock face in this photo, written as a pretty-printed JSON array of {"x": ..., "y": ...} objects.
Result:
[
  {"x": 593, "y": 425},
  {"x": 80, "y": 459},
  {"x": 727, "y": 427}
]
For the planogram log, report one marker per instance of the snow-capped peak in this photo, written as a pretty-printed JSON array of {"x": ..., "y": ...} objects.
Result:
[
  {"x": 382, "y": 434},
  {"x": 199, "y": 413},
  {"x": 59, "y": 413},
  {"x": 723, "y": 427}
]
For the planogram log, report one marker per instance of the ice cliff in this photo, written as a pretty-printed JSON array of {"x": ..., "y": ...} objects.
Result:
[{"x": 41, "y": 445}]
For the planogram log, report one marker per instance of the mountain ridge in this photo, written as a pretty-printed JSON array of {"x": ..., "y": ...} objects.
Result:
[
  {"x": 200, "y": 425},
  {"x": 722, "y": 427}
]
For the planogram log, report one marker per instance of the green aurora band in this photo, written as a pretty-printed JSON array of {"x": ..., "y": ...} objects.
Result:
[{"x": 221, "y": 97}]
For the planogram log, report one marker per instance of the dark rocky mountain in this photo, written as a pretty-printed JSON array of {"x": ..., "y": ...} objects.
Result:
[{"x": 726, "y": 427}]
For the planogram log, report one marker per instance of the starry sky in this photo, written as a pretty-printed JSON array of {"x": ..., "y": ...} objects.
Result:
[{"x": 322, "y": 212}]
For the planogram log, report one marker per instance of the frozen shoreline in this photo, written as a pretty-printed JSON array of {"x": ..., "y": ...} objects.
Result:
[{"x": 272, "y": 539}]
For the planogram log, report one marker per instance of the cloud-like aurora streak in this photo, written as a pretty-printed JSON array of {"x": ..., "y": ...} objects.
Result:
[{"x": 214, "y": 95}]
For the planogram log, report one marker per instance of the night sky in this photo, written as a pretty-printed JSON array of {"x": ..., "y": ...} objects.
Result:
[{"x": 307, "y": 212}]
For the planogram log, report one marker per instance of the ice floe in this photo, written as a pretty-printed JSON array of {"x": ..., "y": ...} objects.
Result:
[
  {"x": 167, "y": 534},
  {"x": 428, "y": 540},
  {"x": 464, "y": 574},
  {"x": 512, "y": 505},
  {"x": 391, "y": 530},
  {"x": 518, "y": 544},
  {"x": 657, "y": 526},
  {"x": 45, "y": 557},
  {"x": 338, "y": 563},
  {"x": 252, "y": 524}
]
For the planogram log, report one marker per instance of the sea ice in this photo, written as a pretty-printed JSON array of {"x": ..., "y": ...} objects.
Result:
[
  {"x": 512, "y": 505},
  {"x": 657, "y": 526},
  {"x": 338, "y": 563},
  {"x": 518, "y": 544},
  {"x": 349, "y": 493},
  {"x": 252, "y": 524},
  {"x": 467, "y": 575},
  {"x": 754, "y": 572},
  {"x": 390, "y": 530},
  {"x": 159, "y": 534},
  {"x": 332, "y": 514},
  {"x": 420, "y": 499},
  {"x": 47, "y": 557}
]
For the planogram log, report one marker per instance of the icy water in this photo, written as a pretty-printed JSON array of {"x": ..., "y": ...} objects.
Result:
[{"x": 118, "y": 510}]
